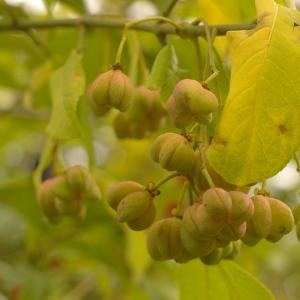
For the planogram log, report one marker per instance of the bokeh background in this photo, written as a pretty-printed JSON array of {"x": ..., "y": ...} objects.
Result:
[{"x": 99, "y": 258}]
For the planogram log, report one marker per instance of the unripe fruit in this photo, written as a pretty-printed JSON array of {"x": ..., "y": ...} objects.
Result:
[
  {"x": 259, "y": 225},
  {"x": 126, "y": 128},
  {"x": 133, "y": 205},
  {"x": 213, "y": 258},
  {"x": 76, "y": 183},
  {"x": 173, "y": 152},
  {"x": 199, "y": 222},
  {"x": 242, "y": 207},
  {"x": 282, "y": 220},
  {"x": 47, "y": 201},
  {"x": 217, "y": 203},
  {"x": 147, "y": 109},
  {"x": 110, "y": 89},
  {"x": 232, "y": 250},
  {"x": 164, "y": 242},
  {"x": 144, "y": 220},
  {"x": 121, "y": 189},
  {"x": 232, "y": 232},
  {"x": 191, "y": 102},
  {"x": 198, "y": 230}
]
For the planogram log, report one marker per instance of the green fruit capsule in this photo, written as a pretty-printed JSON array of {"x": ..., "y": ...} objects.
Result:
[
  {"x": 218, "y": 204},
  {"x": 173, "y": 152},
  {"x": 122, "y": 126},
  {"x": 164, "y": 242},
  {"x": 111, "y": 89},
  {"x": 242, "y": 207},
  {"x": 119, "y": 190},
  {"x": 282, "y": 220},
  {"x": 78, "y": 179},
  {"x": 144, "y": 220},
  {"x": 213, "y": 258},
  {"x": 197, "y": 221},
  {"x": 147, "y": 109},
  {"x": 191, "y": 102},
  {"x": 47, "y": 201},
  {"x": 232, "y": 250},
  {"x": 133, "y": 205},
  {"x": 233, "y": 232},
  {"x": 259, "y": 225}
]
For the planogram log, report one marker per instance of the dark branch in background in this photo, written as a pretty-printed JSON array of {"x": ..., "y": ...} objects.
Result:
[
  {"x": 169, "y": 9},
  {"x": 188, "y": 30}
]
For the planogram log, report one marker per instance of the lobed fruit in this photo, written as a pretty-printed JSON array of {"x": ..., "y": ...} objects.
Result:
[
  {"x": 173, "y": 152},
  {"x": 259, "y": 225},
  {"x": 133, "y": 204},
  {"x": 191, "y": 102},
  {"x": 164, "y": 241},
  {"x": 66, "y": 194},
  {"x": 110, "y": 89},
  {"x": 282, "y": 220}
]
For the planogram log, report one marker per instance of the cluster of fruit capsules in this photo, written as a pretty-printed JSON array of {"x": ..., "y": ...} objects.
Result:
[
  {"x": 141, "y": 109},
  {"x": 215, "y": 224},
  {"x": 67, "y": 194}
]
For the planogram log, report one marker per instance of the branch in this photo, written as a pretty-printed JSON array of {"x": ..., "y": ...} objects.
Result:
[{"x": 188, "y": 30}]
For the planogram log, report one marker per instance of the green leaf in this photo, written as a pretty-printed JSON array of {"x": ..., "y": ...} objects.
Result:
[
  {"x": 164, "y": 69},
  {"x": 226, "y": 281},
  {"x": 259, "y": 130},
  {"x": 67, "y": 85}
]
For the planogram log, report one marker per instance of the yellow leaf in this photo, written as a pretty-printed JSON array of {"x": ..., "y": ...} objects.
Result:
[{"x": 259, "y": 130}]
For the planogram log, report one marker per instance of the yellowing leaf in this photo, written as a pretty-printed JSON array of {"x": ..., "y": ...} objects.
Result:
[
  {"x": 259, "y": 130},
  {"x": 66, "y": 85},
  {"x": 226, "y": 281}
]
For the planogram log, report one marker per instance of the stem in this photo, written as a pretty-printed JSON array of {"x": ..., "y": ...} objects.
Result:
[
  {"x": 128, "y": 25},
  {"x": 211, "y": 60},
  {"x": 169, "y": 9},
  {"x": 121, "y": 47},
  {"x": 81, "y": 39},
  {"x": 178, "y": 212},
  {"x": 165, "y": 180},
  {"x": 208, "y": 178},
  {"x": 190, "y": 30},
  {"x": 297, "y": 159},
  {"x": 46, "y": 158},
  {"x": 198, "y": 56}
]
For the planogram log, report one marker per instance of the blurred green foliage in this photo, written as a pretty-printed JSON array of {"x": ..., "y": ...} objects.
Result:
[{"x": 98, "y": 258}]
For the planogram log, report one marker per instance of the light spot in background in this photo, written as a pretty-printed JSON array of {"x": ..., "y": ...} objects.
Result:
[
  {"x": 8, "y": 99},
  {"x": 102, "y": 153},
  {"x": 13, "y": 155},
  {"x": 75, "y": 155},
  {"x": 141, "y": 9},
  {"x": 93, "y": 6},
  {"x": 287, "y": 179},
  {"x": 35, "y": 7},
  {"x": 14, "y": 2}
]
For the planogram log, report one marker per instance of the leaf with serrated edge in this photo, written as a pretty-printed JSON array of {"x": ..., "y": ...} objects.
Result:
[
  {"x": 259, "y": 130},
  {"x": 67, "y": 85}
]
